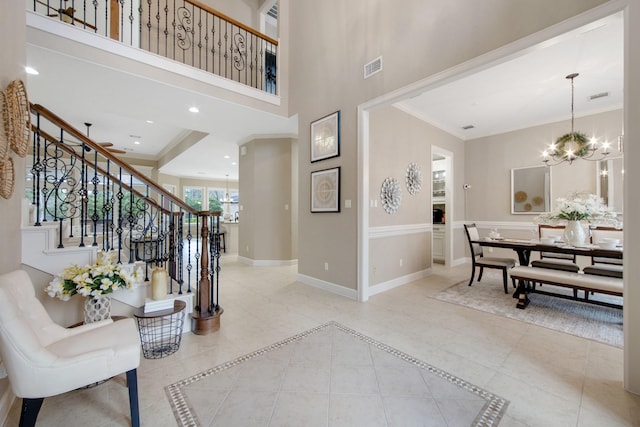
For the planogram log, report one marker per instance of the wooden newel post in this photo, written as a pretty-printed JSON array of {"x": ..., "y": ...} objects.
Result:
[{"x": 206, "y": 315}]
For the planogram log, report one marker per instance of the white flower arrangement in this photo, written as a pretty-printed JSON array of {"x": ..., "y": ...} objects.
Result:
[
  {"x": 101, "y": 278},
  {"x": 580, "y": 207}
]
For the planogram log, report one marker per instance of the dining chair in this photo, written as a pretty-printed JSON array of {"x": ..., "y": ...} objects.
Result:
[
  {"x": 601, "y": 266},
  {"x": 479, "y": 261},
  {"x": 554, "y": 260},
  {"x": 222, "y": 241},
  {"x": 43, "y": 359}
]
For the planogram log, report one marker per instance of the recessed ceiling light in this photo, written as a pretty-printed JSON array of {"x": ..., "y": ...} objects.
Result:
[
  {"x": 31, "y": 71},
  {"x": 233, "y": 163},
  {"x": 150, "y": 122},
  {"x": 227, "y": 156},
  {"x": 136, "y": 142},
  {"x": 194, "y": 109}
]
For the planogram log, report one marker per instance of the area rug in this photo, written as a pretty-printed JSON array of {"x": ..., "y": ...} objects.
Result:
[
  {"x": 586, "y": 320},
  {"x": 330, "y": 376}
]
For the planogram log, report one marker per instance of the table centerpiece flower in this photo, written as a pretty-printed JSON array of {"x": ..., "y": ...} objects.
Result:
[
  {"x": 95, "y": 282},
  {"x": 577, "y": 210}
]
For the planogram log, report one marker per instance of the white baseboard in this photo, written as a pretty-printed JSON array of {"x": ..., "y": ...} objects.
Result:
[
  {"x": 328, "y": 286},
  {"x": 460, "y": 261},
  {"x": 398, "y": 281}
]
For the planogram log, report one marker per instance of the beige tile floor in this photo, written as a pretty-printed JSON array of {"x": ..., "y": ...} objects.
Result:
[
  {"x": 331, "y": 375},
  {"x": 550, "y": 378}
]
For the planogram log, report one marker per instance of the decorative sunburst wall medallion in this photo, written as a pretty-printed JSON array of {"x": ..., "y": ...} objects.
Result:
[
  {"x": 414, "y": 179},
  {"x": 391, "y": 195}
]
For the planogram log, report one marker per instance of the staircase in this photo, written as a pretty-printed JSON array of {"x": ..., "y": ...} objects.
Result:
[{"x": 83, "y": 199}]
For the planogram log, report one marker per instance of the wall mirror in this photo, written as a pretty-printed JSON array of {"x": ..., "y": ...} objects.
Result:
[
  {"x": 531, "y": 190},
  {"x": 610, "y": 182}
]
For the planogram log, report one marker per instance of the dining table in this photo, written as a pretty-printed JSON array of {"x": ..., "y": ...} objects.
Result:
[{"x": 524, "y": 248}]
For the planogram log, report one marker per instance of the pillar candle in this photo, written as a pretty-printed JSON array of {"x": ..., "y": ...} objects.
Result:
[{"x": 159, "y": 284}]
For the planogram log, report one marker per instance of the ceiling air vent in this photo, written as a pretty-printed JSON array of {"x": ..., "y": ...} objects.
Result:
[
  {"x": 273, "y": 12},
  {"x": 467, "y": 127},
  {"x": 373, "y": 67},
  {"x": 598, "y": 95}
]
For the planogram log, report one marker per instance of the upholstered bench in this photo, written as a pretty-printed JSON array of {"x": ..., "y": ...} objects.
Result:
[{"x": 576, "y": 281}]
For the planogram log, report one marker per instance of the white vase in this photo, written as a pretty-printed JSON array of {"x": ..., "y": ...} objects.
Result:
[
  {"x": 97, "y": 308},
  {"x": 575, "y": 234}
]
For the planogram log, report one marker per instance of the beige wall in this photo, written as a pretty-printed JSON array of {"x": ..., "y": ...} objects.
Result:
[
  {"x": 12, "y": 45},
  {"x": 245, "y": 11},
  {"x": 489, "y": 161},
  {"x": 631, "y": 199},
  {"x": 398, "y": 139},
  {"x": 330, "y": 43},
  {"x": 12, "y": 40},
  {"x": 265, "y": 169}
]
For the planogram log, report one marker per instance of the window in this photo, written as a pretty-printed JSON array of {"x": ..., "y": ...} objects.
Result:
[
  {"x": 194, "y": 197},
  {"x": 216, "y": 202}
]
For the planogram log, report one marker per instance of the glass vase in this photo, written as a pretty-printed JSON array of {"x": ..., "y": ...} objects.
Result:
[
  {"x": 97, "y": 308},
  {"x": 574, "y": 234}
]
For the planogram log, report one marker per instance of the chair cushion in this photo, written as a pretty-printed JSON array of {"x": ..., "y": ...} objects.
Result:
[
  {"x": 604, "y": 270},
  {"x": 556, "y": 265},
  {"x": 556, "y": 255},
  {"x": 602, "y": 260},
  {"x": 495, "y": 262}
]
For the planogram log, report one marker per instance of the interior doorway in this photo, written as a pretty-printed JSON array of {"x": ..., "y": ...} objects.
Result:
[{"x": 442, "y": 197}]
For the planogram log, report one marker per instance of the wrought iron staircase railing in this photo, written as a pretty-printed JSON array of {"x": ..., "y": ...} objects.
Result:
[
  {"x": 84, "y": 189},
  {"x": 182, "y": 30}
]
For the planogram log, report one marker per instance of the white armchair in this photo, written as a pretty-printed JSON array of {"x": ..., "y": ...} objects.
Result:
[{"x": 43, "y": 359}]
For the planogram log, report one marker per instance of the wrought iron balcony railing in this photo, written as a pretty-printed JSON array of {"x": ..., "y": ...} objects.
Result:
[{"x": 182, "y": 30}]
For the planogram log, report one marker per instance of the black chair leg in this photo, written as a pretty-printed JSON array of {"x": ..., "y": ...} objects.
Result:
[
  {"x": 480, "y": 275},
  {"x": 473, "y": 274},
  {"x": 505, "y": 281},
  {"x": 30, "y": 410},
  {"x": 132, "y": 384}
]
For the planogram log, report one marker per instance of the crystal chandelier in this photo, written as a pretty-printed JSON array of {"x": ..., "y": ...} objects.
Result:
[{"x": 574, "y": 145}]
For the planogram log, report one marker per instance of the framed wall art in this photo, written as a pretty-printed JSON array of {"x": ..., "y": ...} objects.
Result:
[
  {"x": 325, "y": 190},
  {"x": 531, "y": 190},
  {"x": 325, "y": 137}
]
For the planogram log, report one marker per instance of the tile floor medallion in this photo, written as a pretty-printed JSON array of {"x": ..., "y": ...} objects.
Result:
[{"x": 331, "y": 376}]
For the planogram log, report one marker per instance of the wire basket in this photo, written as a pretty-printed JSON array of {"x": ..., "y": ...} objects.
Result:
[{"x": 160, "y": 335}]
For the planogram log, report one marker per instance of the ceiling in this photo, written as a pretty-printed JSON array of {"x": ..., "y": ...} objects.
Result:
[
  {"x": 531, "y": 89},
  {"x": 119, "y": 106},
  {"x": 526, "y": 90}
]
